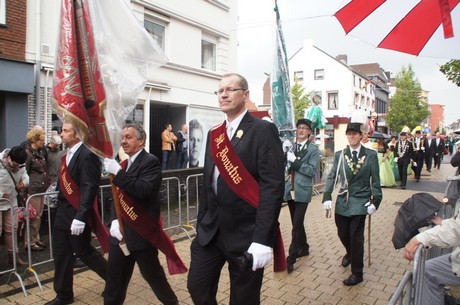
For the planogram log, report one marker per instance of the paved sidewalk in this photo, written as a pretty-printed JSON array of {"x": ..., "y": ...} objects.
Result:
[{"x": 317, "y": 278}]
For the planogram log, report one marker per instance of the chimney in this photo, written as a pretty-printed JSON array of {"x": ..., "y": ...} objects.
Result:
[{"x": 343, "y": 58}]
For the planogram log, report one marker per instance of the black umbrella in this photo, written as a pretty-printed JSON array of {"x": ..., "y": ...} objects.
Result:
[
  {"x": 414, "y": 214},
  {"x": 379, "y": 135}
]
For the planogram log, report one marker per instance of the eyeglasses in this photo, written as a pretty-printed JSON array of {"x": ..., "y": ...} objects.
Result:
[
  {"x": 16, "y": 164},
  {"x": 230, "y": 90}
]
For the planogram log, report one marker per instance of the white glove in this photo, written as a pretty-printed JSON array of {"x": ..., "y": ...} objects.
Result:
[
  {"x": 115, "y": 230},
  {"x": 396, "y": 160},
  {"x": 287, "y": 145},
  {"x": 422, "y": 148},
  {"x": 370, "y": 208},
  {"x": 77, "y": 227},
  {"x": 327, "y": 205},
  {"x": 290, "y": 156},
  {"x": 111, "y": 166},
  {"x": 414, "y": 164},
  {"x": 261, "y": 255}
]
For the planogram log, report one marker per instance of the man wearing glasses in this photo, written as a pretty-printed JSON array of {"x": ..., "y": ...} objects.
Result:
[
  {"x": 243, "y": 183},
  {"x": 302, "y": 166}
]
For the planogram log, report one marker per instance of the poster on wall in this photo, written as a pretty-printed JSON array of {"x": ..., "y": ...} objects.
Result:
[{"x": 201, "y": 120}]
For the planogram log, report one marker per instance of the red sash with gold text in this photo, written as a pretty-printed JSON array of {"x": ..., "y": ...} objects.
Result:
[
  {"x": 71, "y": 192},
  {"x": 150, "y": 228},
  {"x": 241, "y": 182}
]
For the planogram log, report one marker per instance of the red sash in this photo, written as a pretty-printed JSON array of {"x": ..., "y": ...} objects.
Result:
[
  {"x": 71, "y": 192},
  {"x": 241, "y": 182},
  {"x": 150, "y": 228}
]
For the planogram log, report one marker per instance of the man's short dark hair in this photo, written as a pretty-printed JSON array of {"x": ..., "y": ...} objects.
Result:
[{"x": 18, "y": 154}]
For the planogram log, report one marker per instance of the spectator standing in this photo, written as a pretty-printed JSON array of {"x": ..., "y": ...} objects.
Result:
[
  {"x": 54, "y": 158},
  {"x": 167, "y": 145},
  {"x": 37, "y": 169},
  {"x": 302, "y": 166},
  {"x": 182, "y": 147},
  {"x": 13, "y": 177},
  {"x": 360, "y": 194}
]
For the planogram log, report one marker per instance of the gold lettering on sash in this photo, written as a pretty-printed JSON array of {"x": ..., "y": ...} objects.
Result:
[
  {"x": 128, "y": 210},
  {"x": 231, "y": 169},
  {"x": 67, "y": 185},
  {"x": 219, "y": 140}
]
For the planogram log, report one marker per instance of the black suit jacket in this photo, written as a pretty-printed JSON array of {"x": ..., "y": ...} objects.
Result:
[
  {"x": 440, "y": 147},
  {"x": 258, "y": 146},
  {"x": 85, "y": 170},
  {"x": 141, "y": 182}
]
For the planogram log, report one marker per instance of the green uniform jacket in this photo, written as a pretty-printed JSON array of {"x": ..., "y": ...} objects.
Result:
[
  {"x": 305, "y": 168},
  {"x": 364, "y": 186}
]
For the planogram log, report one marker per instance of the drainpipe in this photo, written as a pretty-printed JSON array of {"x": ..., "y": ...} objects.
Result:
[
  {"x": 147, "y": 120},
  {"x": 38, "y": 65}
]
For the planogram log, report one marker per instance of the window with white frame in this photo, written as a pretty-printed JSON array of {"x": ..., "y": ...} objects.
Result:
[
  {"x": 208, "y": 54},
  {"x": 319, "y": 74},
  {"x": 156, "y": 29},
  {"x": 2, "y": 12},
  {"x": 298, "y": 76},
  {"x": 333, "y": 100}
]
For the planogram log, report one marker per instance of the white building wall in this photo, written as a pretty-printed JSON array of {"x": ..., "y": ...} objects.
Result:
[{"x": 181, "y": 81}]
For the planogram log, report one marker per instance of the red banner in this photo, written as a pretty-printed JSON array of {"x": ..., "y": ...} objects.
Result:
[{"x": 78, "y": 93}]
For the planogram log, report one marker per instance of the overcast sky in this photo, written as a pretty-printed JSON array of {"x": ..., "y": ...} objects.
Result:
[{"x": 312, "y": 19}]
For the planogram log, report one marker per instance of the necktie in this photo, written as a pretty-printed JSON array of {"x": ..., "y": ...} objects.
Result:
[
  {"x": 355, "y": 157},
  {"x": 229, "y": 131},
  {"x": 129, "y": 164},
  {"x": 298, "y": 147},
  {"x": 68, "y": 157}
]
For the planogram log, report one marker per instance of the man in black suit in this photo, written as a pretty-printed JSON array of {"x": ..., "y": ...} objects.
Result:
[
  {"x": 404, "y": 153},
  {"x": 182, "y": 147},
  {"x": 430, "y": 150},
  {"x": 139, "y": 179},
  {"x": 418, "y": 147},
  {"x": 227, "y": 225},
  {"x": 75, "y": 215},
  {"x": 439, "y": 150}
]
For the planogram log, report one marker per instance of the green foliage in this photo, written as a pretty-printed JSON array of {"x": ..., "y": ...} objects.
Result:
[
  {"x": 451, "y": 70},
  {"x": 300, "y": 99},
  {"x": 406, "y": 106}
]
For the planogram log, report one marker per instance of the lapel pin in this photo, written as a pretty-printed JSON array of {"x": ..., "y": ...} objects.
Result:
[{"x": 239, "y": 133}]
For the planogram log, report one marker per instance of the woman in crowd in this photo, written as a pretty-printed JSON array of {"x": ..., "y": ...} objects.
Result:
[
  {"x": 37, "y": 169},
  {"x": 387, "y": 178},
  {"x": 391, "y": 157}
]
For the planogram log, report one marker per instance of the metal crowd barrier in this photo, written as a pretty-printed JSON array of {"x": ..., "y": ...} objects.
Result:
[
  {"x": 180, "y": 200},
  {"x": 14, "y": 270}
]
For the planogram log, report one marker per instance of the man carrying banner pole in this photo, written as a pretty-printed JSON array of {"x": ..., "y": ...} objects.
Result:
[
  {"x": 241, "y": 198},
  {"x": 139, "y": 180}
]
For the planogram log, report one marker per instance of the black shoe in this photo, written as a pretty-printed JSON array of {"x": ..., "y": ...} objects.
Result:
[
  {"x": 353, "y": 280},
  {"x": 418, "y": 180},
  {"x": 35, "y": 247},
  {"x": 403, "y": 187},
  {"x": 345, "y": 261},
  {"x": 40, "y": 244},
  {"x": 303, "y": 252},
  {"x": 78, "y": 263},
  {"x": 57, "y": 301},
  {"x": 290, "y": 267}
]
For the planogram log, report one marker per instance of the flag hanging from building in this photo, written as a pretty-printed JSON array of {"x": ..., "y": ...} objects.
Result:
[{"x": 282, "y": 106}]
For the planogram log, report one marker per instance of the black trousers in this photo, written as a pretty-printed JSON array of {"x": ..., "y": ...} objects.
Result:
[
  {"x": 351, "y": 234},
  {"x": 419, "y": 158},
  {"x": 428, "y": 161},
  {"x": 64, "y": 246},
  {"x": 120, "y": 270},
  {"x": 299, "y": 236},
  {"x": 205, "y": 268},
  {"x": 403, "y": 163},
  {"x": 438, "y": 160}
]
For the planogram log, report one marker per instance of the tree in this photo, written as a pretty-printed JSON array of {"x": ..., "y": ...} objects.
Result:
[
  {"x": 300, "y": 99},
  {"x": 451, "y": 70},
  {"x": 406, "y": 106}
]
